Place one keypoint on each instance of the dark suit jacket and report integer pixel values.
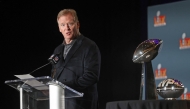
(80, 70)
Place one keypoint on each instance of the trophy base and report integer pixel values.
(170, 99)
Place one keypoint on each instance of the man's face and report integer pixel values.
(68, 26)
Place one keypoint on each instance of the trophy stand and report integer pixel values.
(148, 86)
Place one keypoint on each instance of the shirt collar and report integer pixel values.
(73, 41)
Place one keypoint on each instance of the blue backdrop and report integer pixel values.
(171, 23)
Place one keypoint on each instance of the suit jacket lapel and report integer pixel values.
(69, 55)
(61, 60)
(73, 49)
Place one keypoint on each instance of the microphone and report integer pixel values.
(53, 59)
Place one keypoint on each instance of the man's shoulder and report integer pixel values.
(88, 40)
(59, 48)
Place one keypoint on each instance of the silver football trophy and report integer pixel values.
(144, 53)
(170, 89)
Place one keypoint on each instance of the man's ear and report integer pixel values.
(78, 25)
(59, 29)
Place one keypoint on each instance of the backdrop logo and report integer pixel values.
(185, 95)
(184, 42)
(160, 73)
(159, 20)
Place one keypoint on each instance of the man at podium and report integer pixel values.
(79, 62)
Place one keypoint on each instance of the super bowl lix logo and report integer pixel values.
(160, 73)
(159, 20)
(184, 42)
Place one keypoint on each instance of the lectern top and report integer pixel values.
(38, 87)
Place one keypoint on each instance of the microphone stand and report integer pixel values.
(39, 68)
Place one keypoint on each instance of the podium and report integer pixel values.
(42, 89)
